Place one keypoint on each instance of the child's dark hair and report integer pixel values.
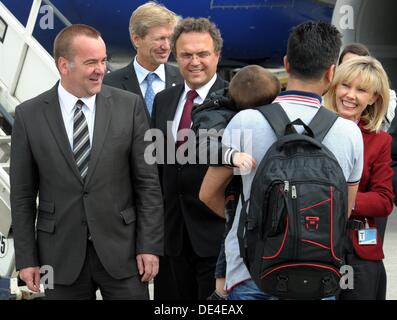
(253, 86)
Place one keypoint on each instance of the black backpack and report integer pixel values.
(292, 237)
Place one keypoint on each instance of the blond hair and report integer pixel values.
(373, 79)
(148, 15)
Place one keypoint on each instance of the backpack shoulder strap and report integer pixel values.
(276, 116)
(322, 123)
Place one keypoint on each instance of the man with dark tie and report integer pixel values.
(151, 27)
(80, 147)
(193, 233)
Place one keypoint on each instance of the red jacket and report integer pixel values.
(375, 192)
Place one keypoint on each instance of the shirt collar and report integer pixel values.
(69, 100)
(202, 91)
(141, 72)
(299, 97)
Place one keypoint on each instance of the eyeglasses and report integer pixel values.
(191, 56)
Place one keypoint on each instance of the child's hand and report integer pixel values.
(243, 161)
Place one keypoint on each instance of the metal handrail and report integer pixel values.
(67, 23)
(58, 13)
(7, 116)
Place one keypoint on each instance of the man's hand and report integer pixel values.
(148, 266)
(31, 276)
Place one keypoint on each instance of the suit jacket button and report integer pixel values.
(85, 194)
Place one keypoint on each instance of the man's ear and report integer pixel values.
(329, 74)
(63, 65)
(135, 40)
(286, 64)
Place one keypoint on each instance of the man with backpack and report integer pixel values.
(283, 214)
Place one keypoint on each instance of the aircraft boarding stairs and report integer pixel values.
(26, 70)
(6, 240)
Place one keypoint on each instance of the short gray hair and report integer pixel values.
(148, 15)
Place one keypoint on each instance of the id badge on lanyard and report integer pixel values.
(367, 236)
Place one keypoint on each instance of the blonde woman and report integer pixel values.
(360, 92)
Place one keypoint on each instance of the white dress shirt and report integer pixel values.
(67, 102)
(141, 73)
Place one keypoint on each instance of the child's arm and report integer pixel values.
(242, 160)
(220, 287)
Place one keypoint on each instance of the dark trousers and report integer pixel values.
(369, 280)
(164, 285)
(93, 276)
(193, 275)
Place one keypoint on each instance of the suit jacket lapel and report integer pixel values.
(171, 77)
(168, 113)
(54, 118)
(101, 126)
(130, 83)
(130, 80)
(218, 84)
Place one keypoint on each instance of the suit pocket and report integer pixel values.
(46, 206)
(128, 215)
(45, 225)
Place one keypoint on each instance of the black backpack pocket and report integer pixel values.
(300, 281)
(276, 227)
(317, 223)
(276, 219)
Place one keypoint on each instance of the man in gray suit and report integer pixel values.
(80, 146)
(151, 28)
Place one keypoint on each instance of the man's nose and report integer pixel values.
(101, 68)
(166, 44)
(195, 59)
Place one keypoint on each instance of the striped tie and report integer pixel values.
(81, 139)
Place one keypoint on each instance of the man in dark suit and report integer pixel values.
(193, 233)
(151, 27)
(80, 146)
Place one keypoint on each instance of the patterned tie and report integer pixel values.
(186, 119)
(149, 94)
(81, 139)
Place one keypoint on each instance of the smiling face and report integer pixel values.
(353, 98)
(155, 47)
(196, 57)
(83, 72)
